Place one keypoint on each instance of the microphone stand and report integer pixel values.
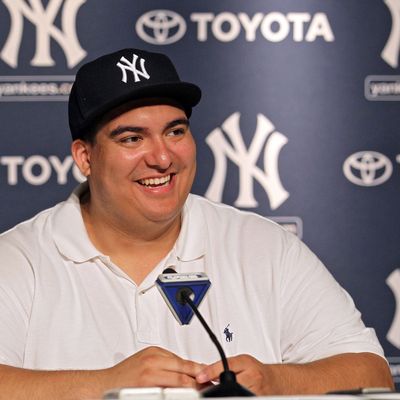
(228, 386)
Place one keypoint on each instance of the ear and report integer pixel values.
(81, 151)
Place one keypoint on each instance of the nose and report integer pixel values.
(158, 155)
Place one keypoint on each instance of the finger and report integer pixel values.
(162, 378)
(210, 373)
(191, 368)
(165, 360)
(252, 376)
(187, 367)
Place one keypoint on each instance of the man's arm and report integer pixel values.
(152, 366)
(339, 372)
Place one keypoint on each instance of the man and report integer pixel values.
(79, 313)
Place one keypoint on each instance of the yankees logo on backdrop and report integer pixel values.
(393, 281)
(246, 160)
(391, 51)
(43, 20)
(125, 65)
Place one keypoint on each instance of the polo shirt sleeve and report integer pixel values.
(16, 296)
(319, 318)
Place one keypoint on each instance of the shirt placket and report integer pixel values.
(147, 306)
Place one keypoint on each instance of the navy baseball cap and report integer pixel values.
(126, 75)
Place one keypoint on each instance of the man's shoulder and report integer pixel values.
(21, 247)
(222, 215)
(41, 223)
(28, 231)
(225, 209)
(242, 234)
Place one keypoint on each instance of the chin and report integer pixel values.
(164, 215)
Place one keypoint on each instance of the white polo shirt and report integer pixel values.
(64, 305)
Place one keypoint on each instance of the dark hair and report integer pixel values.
(89, 134)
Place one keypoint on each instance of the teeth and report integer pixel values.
(155, 181)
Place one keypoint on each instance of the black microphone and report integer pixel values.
(228, 386)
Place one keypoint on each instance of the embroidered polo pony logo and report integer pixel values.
(228, 334)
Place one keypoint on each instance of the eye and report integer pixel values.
(130, 139)
(177, 132)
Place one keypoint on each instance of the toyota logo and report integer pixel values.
(367, 168)
(160, 27)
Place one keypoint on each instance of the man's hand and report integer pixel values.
(250, 373)
(154, 366)
(151, 367)
(340, 372)
(157, 367)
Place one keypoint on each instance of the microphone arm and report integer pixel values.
(228, 386)
(185, 296)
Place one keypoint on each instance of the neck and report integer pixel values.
(137, 247)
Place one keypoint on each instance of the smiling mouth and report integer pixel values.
(156, 182)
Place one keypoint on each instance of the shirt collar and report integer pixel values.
(69, 230)
(190, 244)
(189, 249)
(73, 242)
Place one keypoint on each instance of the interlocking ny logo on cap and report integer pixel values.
(125, 65)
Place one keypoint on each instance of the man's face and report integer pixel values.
(142, 165)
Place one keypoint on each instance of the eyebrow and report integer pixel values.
(137, 129)
(175, 122)
(125, 128)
